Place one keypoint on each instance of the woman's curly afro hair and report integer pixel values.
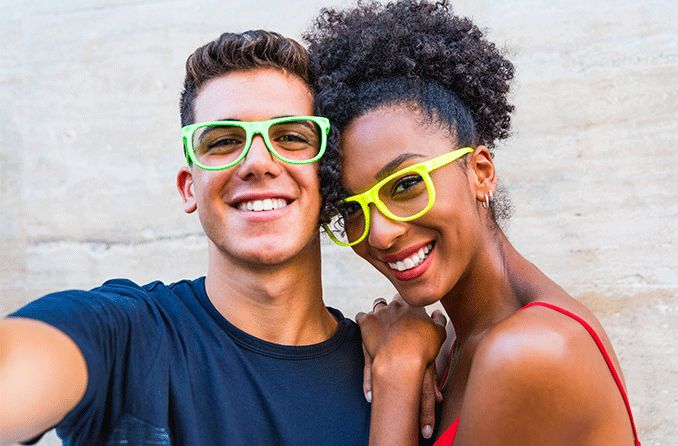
(407, 52)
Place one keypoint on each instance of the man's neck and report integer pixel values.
(277, 303)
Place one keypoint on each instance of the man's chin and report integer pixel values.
(270, 250)
(267, 258)
(270, 255)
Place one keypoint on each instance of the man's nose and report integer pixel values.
(259, 162)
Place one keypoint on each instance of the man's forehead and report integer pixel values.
(265, 93)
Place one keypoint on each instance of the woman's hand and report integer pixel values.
(401, 344)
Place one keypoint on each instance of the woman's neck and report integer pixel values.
(497, 283)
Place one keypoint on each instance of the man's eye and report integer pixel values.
(294, 135)
(292, 138)
(224, 144)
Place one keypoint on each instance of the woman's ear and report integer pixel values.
(186, 189)
(482, 176)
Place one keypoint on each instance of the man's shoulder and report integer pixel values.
(121, 290)
(115, 300)
(173, 300)
(122, 285)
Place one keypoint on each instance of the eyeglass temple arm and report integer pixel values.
(447, 158)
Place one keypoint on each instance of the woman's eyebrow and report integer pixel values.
(394, 164)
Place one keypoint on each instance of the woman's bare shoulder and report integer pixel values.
(536, 374)
(534, 345)
(539, 339)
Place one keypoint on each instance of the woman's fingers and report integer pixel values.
(439, 318)
(441, 323)
(429, 396)
(379, 302)
(367, 376)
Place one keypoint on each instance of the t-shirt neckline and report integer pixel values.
(271, 349)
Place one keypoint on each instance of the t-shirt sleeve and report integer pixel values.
(103, 323)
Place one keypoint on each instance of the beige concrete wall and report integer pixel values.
(90, 145)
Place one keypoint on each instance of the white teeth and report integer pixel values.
(268, 204)
(262, 205)
(413, 260)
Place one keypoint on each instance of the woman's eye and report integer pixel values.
(405, 184)
(350, 210)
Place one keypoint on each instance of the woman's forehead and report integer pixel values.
(385, 138)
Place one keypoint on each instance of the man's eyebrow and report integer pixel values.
(205, 131)
(394, 164)
(274, 117)
(309, 124)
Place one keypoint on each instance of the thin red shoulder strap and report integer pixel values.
(603, 351)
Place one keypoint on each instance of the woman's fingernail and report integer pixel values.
(368, 396)
(427, 431)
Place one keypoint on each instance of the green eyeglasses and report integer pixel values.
(219, 145)
(402, 196)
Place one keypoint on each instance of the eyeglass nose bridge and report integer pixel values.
(251, 131)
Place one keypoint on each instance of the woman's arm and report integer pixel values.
(403, 342)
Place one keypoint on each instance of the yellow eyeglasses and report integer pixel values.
(402, 196)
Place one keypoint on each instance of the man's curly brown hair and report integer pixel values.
(408, 53)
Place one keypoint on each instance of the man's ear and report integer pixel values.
(186, 189)
(483, 175)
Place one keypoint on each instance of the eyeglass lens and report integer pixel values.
(221, 144)
(404, 196)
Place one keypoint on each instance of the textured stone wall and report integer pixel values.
(90, 145)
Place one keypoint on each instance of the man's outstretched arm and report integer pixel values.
(43, 376)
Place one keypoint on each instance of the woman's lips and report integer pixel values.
(411, 266)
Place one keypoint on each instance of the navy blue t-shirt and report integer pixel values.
(165, 367)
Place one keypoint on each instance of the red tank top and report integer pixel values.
(448, 436)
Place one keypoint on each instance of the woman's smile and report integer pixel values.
(410, 263)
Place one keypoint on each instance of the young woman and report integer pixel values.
(420, 98)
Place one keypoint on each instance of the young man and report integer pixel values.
(248, 354)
